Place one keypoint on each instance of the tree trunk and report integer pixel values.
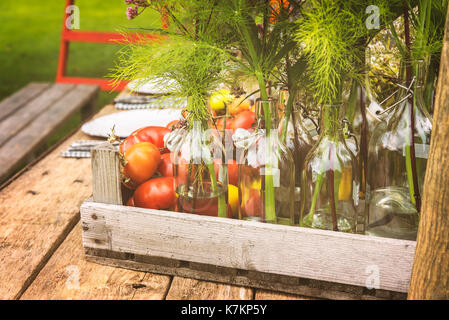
(430, 274)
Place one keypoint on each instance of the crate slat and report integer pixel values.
(250, 246)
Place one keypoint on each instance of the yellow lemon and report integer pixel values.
(219, 98)
(233, 199)
(345, 187)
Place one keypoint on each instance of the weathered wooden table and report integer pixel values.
(41, 253)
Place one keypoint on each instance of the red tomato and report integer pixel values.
(204, 207)
(172, 125)
(166, 165)
(182, 173)
(155, 135)
(239, 106)
(158, 193)
(244, 120)
(253, 207)
(142, 161)
(130, 202)
(220, 123)
(233, 170)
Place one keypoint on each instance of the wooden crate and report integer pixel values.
(310, 262)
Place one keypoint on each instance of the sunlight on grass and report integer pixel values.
(30, 33)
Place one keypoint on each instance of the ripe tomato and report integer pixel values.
(155, 135)
(244, 120)
(130, 202)
(220, 123)
(142, 161)
(166, 165)
(239, 106)
(182, 173)
(172, 125)
(233, 170)
(158, 193)
(253, 207)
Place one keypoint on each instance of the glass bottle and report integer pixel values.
(299, 141)
(200, 182)
(330, 181)
(266, 172)
(393, 201)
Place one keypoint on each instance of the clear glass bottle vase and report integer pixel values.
(331, 179)
(363, 113)
(266, 171)
(200, 182)
(396, 166)
(298, 139)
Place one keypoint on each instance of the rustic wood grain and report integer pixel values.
(30, 111)
(37, 211)
(22, 146)
(14, 102)
(190, 289)
(270, 295)
(274, 249)
(237, 277)
(67, 275)
(106, 182)
(430, 276)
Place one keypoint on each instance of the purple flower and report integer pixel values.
(131, 12)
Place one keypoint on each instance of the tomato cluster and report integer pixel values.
(148, 169)
(239, 115)
(147, 165)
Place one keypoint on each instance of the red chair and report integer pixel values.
(93, 37)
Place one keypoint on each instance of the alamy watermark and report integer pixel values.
(73, 20)
(373, 279)
(73, 280)
(373, 20)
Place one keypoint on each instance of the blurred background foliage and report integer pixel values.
(30, 33)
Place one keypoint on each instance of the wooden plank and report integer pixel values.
(106, 182)
(67, 275)
(21, 147)
(37, 211)
(14, 102)
(270, 295)
(237, 277)
(273, 249)
(30, 111)
(190, 289)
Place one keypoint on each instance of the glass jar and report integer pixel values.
(299, 141)
(266, 171)
(330, 181)
(363, 113)
(200, 182)
(396, 166)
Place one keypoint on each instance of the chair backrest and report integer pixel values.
(68, 35)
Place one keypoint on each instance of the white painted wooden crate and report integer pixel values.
(297, 260)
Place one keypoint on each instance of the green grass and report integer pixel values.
(30, 37)
(30, 34)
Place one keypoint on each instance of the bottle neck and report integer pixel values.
(269, 107)
(412, 71)
(330, 120)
